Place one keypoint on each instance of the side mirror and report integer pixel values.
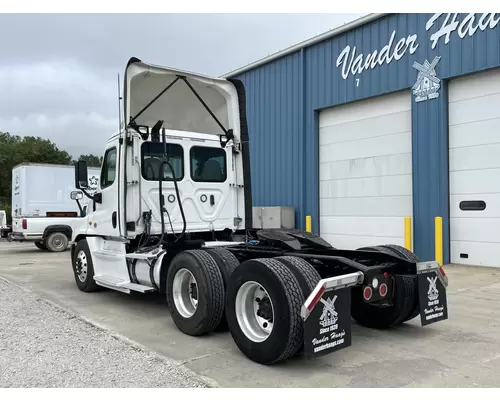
(81, 175)
(76, 195)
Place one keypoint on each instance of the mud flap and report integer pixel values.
(432, 293)
(327, 315)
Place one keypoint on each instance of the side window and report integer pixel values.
(108, 171)
(152, 157)
(208, 164)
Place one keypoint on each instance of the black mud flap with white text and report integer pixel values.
(432, 298)
(328, 326)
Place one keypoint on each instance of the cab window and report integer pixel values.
(108, 172)
(208, 164)
(152, 156)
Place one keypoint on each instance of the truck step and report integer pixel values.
(138, 288)
(121, 285)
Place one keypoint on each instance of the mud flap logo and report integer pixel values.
(329, 315)
(328, 327)
(432, 294)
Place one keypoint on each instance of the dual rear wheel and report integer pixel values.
(258, 301)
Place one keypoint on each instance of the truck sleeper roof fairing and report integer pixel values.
(182, 100)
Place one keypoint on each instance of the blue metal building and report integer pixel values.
(432, 62)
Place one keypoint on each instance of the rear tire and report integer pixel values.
(268, 287)
(83, 268)
(227, 263)
(404, 301)
(195, 292)
(41, 245)
(306, 276)
(408, 255)
(57, 242)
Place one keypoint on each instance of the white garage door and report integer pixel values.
(365, 171)
(474, 118)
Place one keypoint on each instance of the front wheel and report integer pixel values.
(83, 268)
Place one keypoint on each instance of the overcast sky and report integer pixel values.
(58, 75)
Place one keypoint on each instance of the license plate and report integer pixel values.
(432, 298)
(328, 327)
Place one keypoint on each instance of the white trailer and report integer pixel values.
(42, 209)
(176, 189)
(43, 190)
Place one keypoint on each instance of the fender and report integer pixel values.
(66, 229)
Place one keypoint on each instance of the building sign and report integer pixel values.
(353, 63)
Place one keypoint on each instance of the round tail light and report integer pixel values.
(367, 293)
(383, 290)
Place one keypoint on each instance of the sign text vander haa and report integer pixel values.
(352, 64)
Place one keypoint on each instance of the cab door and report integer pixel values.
(103, 218)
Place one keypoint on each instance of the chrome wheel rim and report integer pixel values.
(81, 266)
(185, 293)
(254, 311)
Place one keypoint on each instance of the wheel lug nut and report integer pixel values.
(257, 299)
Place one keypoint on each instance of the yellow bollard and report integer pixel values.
(308, 223)
(408, 233)
(438, 230)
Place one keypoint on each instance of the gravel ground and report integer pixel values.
(44, 346)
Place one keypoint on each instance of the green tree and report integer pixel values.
(15, 150)
(91, 159)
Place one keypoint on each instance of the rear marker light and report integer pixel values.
(316, 298)
(367, 293)
(383, 289)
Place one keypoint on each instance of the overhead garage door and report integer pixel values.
(474, 141)
(365, 171)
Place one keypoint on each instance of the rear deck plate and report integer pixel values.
(328, 326)
(432, 298)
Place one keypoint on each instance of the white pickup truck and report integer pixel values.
(48, 233)
(4, 228)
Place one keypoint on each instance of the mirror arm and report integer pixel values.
(96, 197)
(79, 207)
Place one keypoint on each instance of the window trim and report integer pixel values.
(165, 179)
(191, 164)
(105, 166)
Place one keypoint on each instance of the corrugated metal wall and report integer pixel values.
(285, 95)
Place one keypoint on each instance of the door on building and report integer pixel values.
(474, 149)
(365, 171)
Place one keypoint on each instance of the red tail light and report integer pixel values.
(25, 223)
(382, 289)
(367, 293)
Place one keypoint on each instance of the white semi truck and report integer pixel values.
(175, 194)
(42, 210)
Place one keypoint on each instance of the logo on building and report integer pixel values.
(329, 316)
(428, 84)
(433, 292)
